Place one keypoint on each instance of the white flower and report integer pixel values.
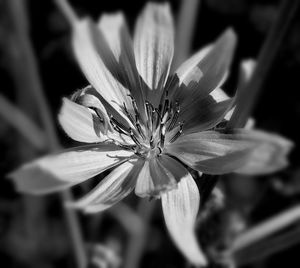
(148, 125)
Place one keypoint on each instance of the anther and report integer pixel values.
(176, 136)
(162, 135)
(134, 138)
(118, 124)
(134, 106)
(151, 142)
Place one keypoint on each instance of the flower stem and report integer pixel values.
(138, 241)
(266, 228)
(20, 21)
(67, 10)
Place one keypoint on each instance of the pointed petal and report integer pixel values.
(210, 72)
(213, 152)
(219, 95)
(204, 114)
(61, 170)
(112, 189)
(269, 157)
(154, 46)
(119, 44)
(90, 98)
(86, 42)
(80, 123)
(186, 70)
(180, 207)
(154, 179)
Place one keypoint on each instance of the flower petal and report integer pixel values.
(185, 72)
(154, 47)
(204, 114)
(154, 179)
(80, 123)
(86, 42)
(269, 157)
(213, 152)
(180, 207)
(119, 44)
(209, 73)
(112, 189)
(62, 170)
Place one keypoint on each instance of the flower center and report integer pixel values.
(149, 136)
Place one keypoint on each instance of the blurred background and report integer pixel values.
(35, 54)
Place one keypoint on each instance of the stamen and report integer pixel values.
(165, 118)
(98, 114)
(134, 106)
(121, 131)
(149, 109)
(162, 135)
(160, 152)
(118, 124)
(176, 136)
(166, 106)
(158, 119)
(134, 138)
(128, 147)
(129, 115)
(140, 131)
(159, 108)
(151, 142)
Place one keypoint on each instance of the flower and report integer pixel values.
(150, 126)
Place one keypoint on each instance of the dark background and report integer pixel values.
(251, 200)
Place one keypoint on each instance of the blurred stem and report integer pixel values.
(268, 247)
(67, 10)
(30, 68)
(138, 241)
(185, 28)
(127, 218)
(22, 123)
(249, 93)
(266, 228)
